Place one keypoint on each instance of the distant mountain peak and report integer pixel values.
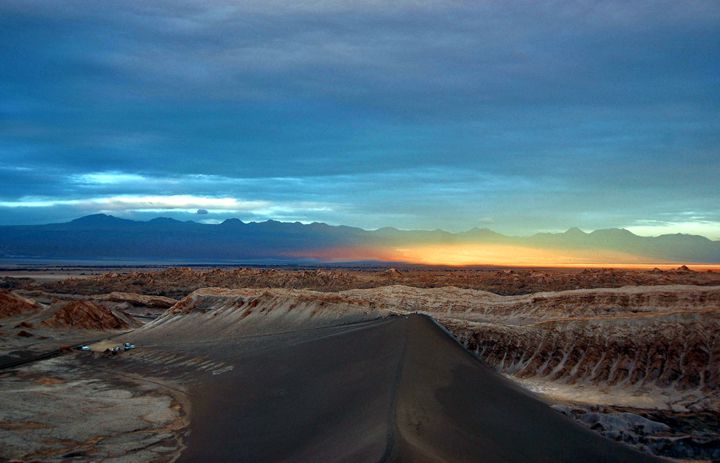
(97, 219)
(574, 231)
(232, 222)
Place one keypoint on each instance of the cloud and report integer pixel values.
(106, 178)
(412, 114)
(147, 203)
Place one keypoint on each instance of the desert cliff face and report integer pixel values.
(678, 351)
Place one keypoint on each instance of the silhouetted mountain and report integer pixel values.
(97, 221)
(103, 236)
(575, 232)
(676, 247)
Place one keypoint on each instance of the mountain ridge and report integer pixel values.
(107, 236)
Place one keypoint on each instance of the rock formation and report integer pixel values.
(12, 304)
(87, 315)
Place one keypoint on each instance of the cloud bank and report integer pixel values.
(531, 116)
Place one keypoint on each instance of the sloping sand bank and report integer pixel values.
(397, 389)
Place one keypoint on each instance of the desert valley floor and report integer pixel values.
(408, 364)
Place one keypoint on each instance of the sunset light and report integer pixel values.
(488, 254)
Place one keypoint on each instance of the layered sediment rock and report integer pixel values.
(89, 316)
(677, 350)
(138, 300)
(475, 305)
(12, 304)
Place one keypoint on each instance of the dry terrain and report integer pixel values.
(179, 282)
(349, 364)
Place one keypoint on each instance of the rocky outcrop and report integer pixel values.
(87, 315)
(138, 300)
(12, 304)
(113, 300)
(474, 305)
(679, 350)
(657, 432)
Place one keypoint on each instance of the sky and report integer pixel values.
(519, 116)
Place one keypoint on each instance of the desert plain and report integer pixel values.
(359, 364)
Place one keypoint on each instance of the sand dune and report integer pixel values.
(333, 382)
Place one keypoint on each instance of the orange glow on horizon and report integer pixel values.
(496, 255)
(514, 256)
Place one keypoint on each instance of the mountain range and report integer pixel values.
(103, 236)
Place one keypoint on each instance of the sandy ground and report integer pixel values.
(553, 391)
(65, 409)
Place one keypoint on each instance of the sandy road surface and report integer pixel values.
(396, 389)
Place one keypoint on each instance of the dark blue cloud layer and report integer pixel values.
(529, 116)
